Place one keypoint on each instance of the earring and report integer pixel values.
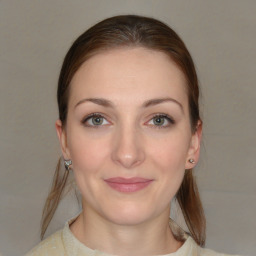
(191, 160)
(67, 164)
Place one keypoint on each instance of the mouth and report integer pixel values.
(128, 185)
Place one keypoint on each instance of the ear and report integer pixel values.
(62, 139)
(194, 149)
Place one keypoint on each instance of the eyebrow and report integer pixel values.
(154, 102)
(148, 103)
(98, 101)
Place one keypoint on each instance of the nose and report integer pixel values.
(128, 148)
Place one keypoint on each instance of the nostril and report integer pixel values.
(127, 149)
(128, 160)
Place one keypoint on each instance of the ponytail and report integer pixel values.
(191, 206)
(54, 197)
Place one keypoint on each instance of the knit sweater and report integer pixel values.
(64, 243)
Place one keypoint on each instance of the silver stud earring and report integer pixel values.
(67, 164)
(191, 160)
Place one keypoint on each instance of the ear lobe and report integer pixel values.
(62, 139)
(194, 150)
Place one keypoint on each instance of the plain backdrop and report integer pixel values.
(35, 36)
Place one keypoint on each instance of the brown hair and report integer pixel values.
(132, 31)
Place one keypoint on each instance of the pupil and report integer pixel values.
(97, 120)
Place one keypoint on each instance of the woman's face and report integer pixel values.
(128, 134)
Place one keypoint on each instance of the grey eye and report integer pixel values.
(159, 120)
(97, 120)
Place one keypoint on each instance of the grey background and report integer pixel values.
(35, 36)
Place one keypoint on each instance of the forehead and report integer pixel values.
(129, 73)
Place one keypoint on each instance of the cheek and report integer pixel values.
(171, 152)
(89, 156)
(87, 153)
(168, 159)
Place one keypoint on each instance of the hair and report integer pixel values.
(132, 31)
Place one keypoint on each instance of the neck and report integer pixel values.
(154, 237)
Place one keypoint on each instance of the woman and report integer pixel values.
(130, 130)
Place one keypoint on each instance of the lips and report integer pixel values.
(128, 185)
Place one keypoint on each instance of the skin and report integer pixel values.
(128, 143)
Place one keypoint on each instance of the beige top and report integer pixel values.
(64, 243)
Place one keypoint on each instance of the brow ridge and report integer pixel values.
(98, 101)
(107, 103)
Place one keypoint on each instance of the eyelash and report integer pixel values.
(169, 119)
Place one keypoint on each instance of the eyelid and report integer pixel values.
(170, 120)
(88, 117)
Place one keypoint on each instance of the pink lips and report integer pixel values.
(128, 185)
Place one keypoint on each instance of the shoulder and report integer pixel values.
(196, 250)
(190, 247)
(208, 252)
(52, 246)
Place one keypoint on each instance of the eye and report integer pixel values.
(95, 120)
(161, 121)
